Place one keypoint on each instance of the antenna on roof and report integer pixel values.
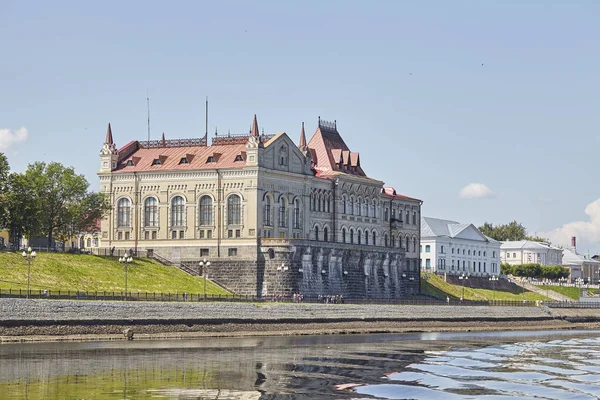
(206, 120)
(148, 103)
(216, 131)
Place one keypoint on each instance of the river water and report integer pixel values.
(486, 365)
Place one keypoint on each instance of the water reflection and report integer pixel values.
(443, 365)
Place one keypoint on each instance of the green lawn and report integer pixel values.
(571, 292)
(79, 272)
(435, 286)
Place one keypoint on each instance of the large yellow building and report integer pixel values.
(247, 197)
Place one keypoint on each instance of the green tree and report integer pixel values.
(20, 206)
(511, 231)
(64, 206)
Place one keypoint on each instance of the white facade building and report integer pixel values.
(580, 266)
(530, 252)
(454, 248)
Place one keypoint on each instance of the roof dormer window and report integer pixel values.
(130, 163)
(239, 158)
(211, 159)
(183, 160)
(156, 161)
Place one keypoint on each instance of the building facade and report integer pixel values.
(259, 205)
(530, 252)
(449, 247)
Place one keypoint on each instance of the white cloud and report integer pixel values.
(8, 137)
(475, 191)
(586, 231)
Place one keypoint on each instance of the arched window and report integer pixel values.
(358, 207)
(407, 217)
(314, 202)
(316, 232)
(318, 203)
(325, 234)
(124, 213)
(351, 235)
(407, 243)
(329, 205)
(89, 242)
(343, 235)
(427, 249)
(414, 244)
(344, 205)
(359, 237)
(385, 214)
(206, 211)
(366, 237)
(393, 242)
(393, 216)
(324, 203)
(296, 214)
(150, 212)
(234, 210)
(366, 209)
(414, 217)
(351, 206)
(282, 213)
(374, 239)
(267, 212)
(385, 240)
(177, 211)
(374, 210)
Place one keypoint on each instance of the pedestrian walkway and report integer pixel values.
(548, 293)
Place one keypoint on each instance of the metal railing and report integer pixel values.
(573, 304)
(199, 297)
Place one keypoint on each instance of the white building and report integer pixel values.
(455, 248)
(530, 252)
(580, 266)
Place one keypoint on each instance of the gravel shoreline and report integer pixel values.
(52, 320)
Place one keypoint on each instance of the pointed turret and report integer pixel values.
(302, 144)
(109, 138)
(163, 142)
(254, 130)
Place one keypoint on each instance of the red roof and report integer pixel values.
(174, 158)
(391, 192)
(330, 152)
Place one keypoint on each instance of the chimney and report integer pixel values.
(573, 242)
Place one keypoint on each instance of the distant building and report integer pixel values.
(530, 252)
(454, 248)
(579, 265)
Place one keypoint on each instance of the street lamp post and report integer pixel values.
(494, 279)
(126, 260)
(203, 264)
(463, 278)
(29, 255)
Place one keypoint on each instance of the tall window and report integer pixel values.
(427, 249)
(344, 205)
(296, 214)
(414, 244)
(374, 239)
(351, 235)
(385, 214)
(316, 232)
(351, 205)
(150, 212)
(414, 217)
(234, 210)
(267, 214)
(325, 234)
(407, 217)
(385, 240)
(343, 235)
(393, 243)
(206, 210)
(177, 210)
(366, 237)
(282, 213)
(318, 203)
(374, 210)
(407, 243)
(366, 207)
(124, 212)
(328, 204)
(359, 237)
(358, 207)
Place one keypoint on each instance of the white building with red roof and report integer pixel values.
(186, 200)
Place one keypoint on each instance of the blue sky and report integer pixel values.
(434, 95)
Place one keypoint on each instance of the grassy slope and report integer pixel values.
(436, 286)
(571, 292)
(54, 271)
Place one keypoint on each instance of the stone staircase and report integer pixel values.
(182, 266)
(548, 293)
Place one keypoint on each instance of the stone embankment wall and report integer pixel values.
(316, 268)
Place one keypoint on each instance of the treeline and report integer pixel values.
(534, 271)
(47, 200)
(512, 231)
